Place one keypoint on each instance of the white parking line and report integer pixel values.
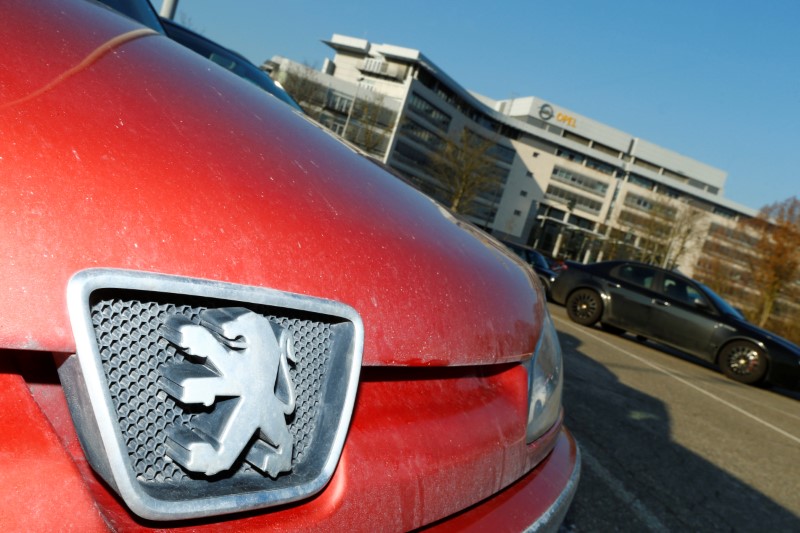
(588, 332)
(619, 490)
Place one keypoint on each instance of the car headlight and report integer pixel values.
(545, 382)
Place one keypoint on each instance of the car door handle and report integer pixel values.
(662, 303)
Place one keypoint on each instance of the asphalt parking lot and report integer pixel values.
(670, 444)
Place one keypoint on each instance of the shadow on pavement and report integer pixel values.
(794, 394)
(635, 477)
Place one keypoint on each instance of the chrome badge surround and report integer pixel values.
(210, 488)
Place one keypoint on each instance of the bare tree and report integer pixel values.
(667, 229)
(684, 234)
(775, 261)
(302, 85)
(465, 169)
(716, 276)
(370, 122)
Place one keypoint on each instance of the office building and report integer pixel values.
(557, 180)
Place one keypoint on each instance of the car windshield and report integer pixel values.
(721, 304)
(139, 11)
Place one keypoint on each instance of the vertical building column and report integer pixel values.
(557, 246)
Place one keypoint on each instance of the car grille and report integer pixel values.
(132, 390)
(132, 350)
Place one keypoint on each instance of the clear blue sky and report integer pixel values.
(718, 81)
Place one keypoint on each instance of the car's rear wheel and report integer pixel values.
(585, 307)
(743, 361)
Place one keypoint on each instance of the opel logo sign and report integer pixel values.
(546, 112)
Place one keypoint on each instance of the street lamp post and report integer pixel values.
(352, 106)
(168, 9)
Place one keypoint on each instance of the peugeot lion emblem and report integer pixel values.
(236, 365)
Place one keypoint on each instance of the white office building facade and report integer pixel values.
(566, 184)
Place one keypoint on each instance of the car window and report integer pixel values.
(678, 289)
(530, 256)
(536, 259)
(636, 274)
(222, 61)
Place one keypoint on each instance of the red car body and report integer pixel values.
(121, 150)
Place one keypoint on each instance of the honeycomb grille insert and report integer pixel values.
(132, 352)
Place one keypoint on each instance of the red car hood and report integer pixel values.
(193, 172)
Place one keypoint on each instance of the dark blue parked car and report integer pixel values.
(547, 275)
(229, 59)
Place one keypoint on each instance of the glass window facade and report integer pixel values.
(415, 131)
(429, 112)
(599, 166)
(580, 181)
(641, 181)
(580, 201)
(570, 155)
